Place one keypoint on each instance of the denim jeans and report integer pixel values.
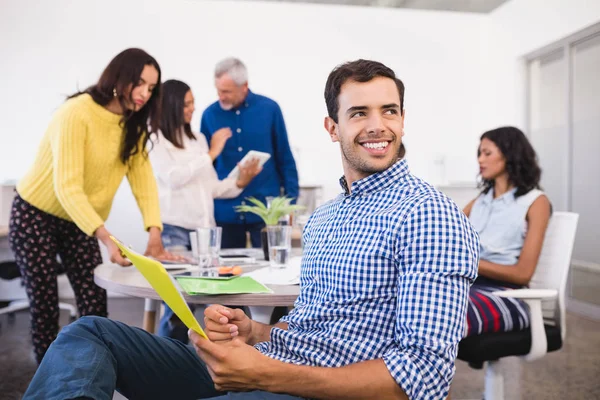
(169, 325)
(95, 356)
(175, 236)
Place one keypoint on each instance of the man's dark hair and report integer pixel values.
(358, 71)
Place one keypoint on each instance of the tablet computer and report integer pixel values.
(262, 159)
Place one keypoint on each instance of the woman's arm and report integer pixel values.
(520, 273)
(68, 151)
(230, 188)
(468, 207)
(143, 185)
(173, 170)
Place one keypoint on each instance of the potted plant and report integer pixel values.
(279, 207)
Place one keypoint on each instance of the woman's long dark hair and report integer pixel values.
(120, 76)
(171, 117)
(521, 161)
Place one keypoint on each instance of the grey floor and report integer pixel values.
(571, 373)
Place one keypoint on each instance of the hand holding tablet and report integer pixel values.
(262, 158)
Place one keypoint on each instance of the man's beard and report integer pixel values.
(226, 106)
(363, 166)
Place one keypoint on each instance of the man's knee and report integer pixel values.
(87, 325)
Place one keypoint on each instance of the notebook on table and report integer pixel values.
(194, 285)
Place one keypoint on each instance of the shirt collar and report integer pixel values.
(377, 181)
(506, 198)
(248, 101)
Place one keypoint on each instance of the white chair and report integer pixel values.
(546, 301)
(13, 293)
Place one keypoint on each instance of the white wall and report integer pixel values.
(461, 70)
(520, 27)
(49, 49)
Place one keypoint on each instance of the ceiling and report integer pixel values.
(474, 6)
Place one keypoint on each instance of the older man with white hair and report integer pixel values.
(256, 123)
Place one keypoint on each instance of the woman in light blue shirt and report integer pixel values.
(511, 215)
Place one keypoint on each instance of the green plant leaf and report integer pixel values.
(280, 206)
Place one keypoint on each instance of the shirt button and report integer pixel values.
(237, 112)
(347, 200)
(240, 149)
(238, 130)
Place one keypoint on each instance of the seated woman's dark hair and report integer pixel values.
(521, 160)
(122, 72)
(171, 117)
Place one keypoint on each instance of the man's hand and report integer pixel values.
(217, 142)
(247, 172)
(223, 324)
(233, 366)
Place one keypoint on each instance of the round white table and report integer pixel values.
(129, 281)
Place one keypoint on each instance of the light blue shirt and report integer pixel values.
(385, 275)
(501, 224)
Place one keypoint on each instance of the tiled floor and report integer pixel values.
(585, 283)
(571, 373)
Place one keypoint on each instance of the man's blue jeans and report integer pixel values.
(94, 356)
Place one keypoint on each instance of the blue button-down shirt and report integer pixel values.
(257, 124)
(502, 224)
(385, 275)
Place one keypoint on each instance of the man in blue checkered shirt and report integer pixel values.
(385, 279)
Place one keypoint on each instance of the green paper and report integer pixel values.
(238, 285)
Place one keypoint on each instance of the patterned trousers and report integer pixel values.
(37, 239)
(488, 313)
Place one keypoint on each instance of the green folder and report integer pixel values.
(236, 285)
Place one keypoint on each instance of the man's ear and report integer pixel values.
(332, 128)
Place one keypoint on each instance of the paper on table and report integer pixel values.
(164, 284)
(290, 275)
(178, 267)
(212, 286)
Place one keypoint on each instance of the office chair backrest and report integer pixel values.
(552, 270)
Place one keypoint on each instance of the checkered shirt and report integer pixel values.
(385, 275)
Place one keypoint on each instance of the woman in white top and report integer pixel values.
(187, 181)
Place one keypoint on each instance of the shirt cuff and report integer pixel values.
(89, 227)
(418, 377)
(152, 221)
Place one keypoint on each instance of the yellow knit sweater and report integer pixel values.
(78, 170)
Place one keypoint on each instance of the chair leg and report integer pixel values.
(13, 306)
(70, 308)
(494, 381)
(261, 313)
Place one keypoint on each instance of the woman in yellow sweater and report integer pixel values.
(94, 139)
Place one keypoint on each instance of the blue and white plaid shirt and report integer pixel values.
(386, 273)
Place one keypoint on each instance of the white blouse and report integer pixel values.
(187, 182)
